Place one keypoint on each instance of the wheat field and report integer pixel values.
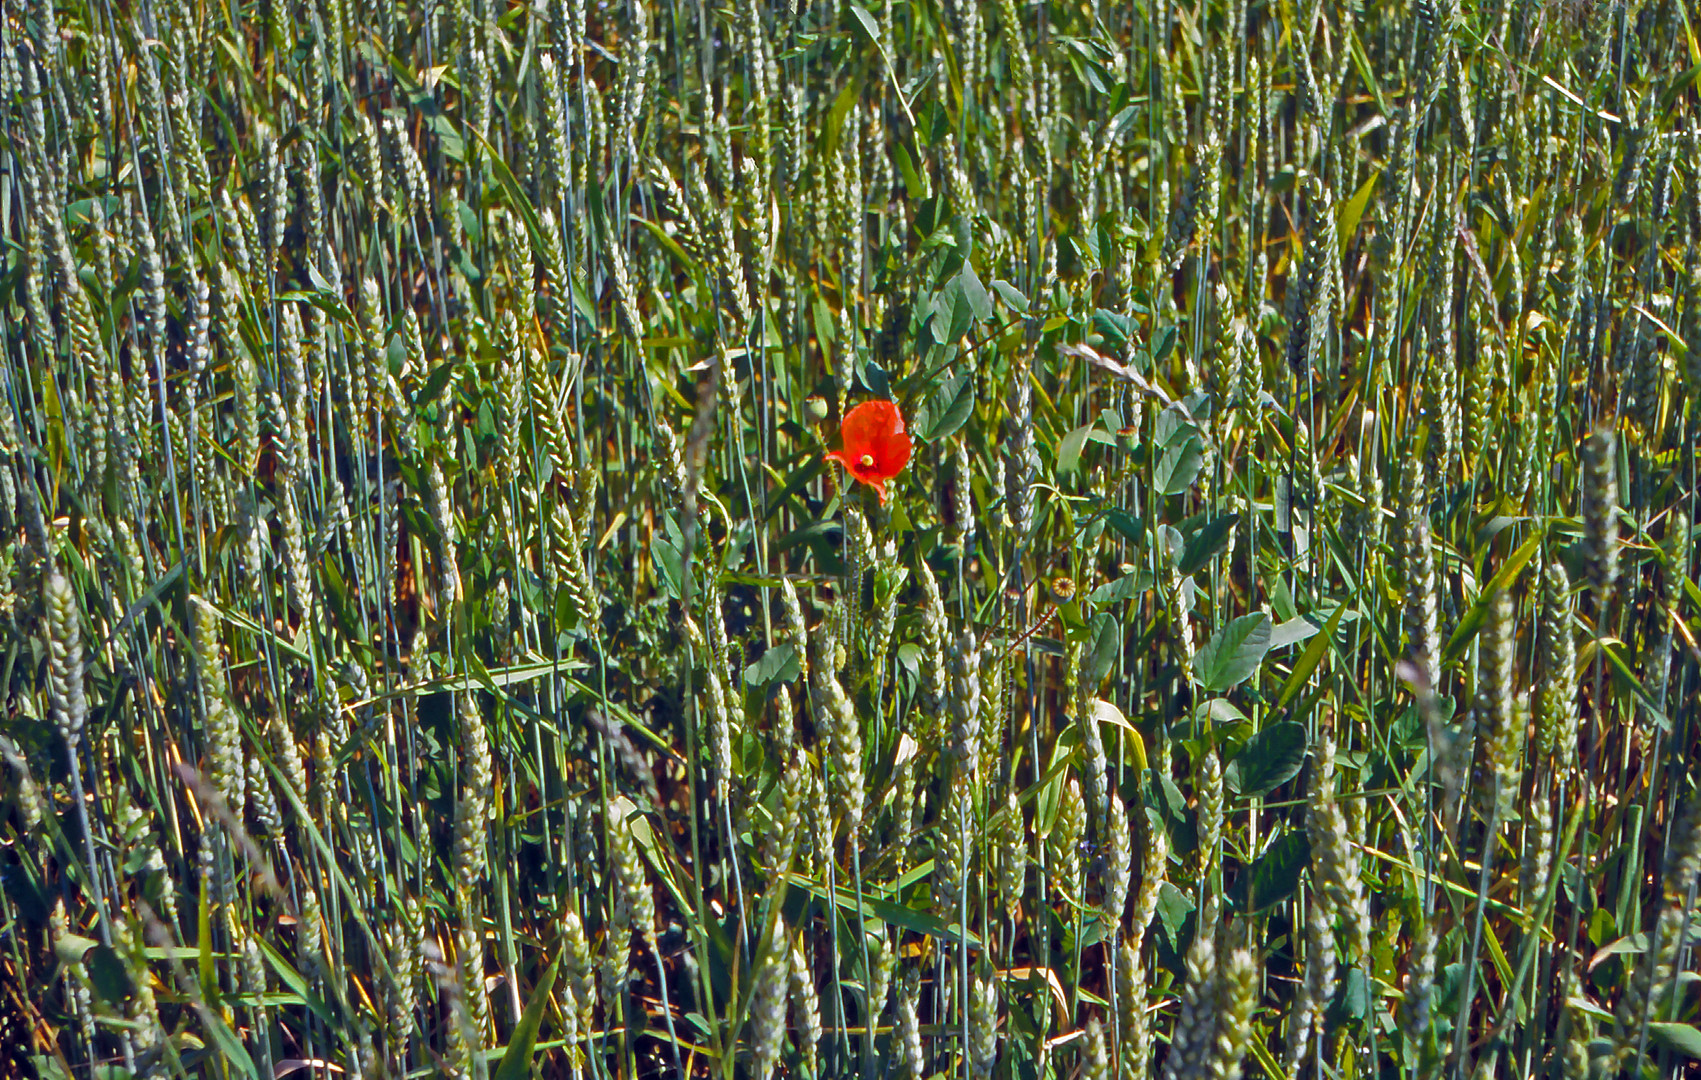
(884, 538)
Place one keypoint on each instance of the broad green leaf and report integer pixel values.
(1076, 255)
(1354, 999)
(1292, 632)
(1106, 643)
(951, 317)
(108, 974)
(1206, 541)
(81, 212)
(947, 410)
(434, 383)
(909, 659)
(1233, 653)
(470, 221)
(1114, 328)
(1179, 466)
(980, 304)
(1173, 906)
(1268, 760)
(1123, 588)
(906, 167)
(1181, 452)
(1217, 712)
(1162, 344)
(866, 21)
(1682, 1039)
(1122, 121)
(1274, 875)
(1069, 449)
(1012, 296)
(1635, 944)
(826, 330)
(48, 1067)
(1601, 925)
(1172, 544)
(1131, 527)
(874, 377)
(780, 662)
(964, 302)
(670, 566)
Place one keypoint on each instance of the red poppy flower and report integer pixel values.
(876, 447)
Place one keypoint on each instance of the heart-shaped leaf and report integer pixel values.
(1268, 760)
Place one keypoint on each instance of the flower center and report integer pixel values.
(866, 461)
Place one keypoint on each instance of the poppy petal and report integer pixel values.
(868, 423)
(892, 454)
